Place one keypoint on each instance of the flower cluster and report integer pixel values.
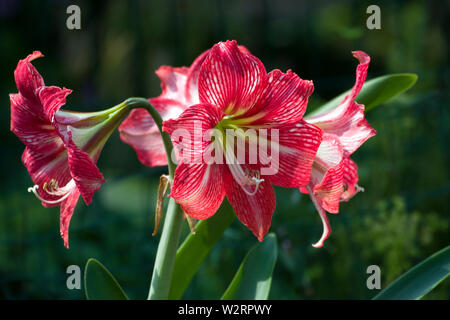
(237, 129)
(227, 88)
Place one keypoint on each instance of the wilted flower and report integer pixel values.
(62, 147)
(334, 175)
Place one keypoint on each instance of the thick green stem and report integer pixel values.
(165, 256)
(168, 244)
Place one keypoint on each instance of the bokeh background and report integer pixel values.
(402, 218)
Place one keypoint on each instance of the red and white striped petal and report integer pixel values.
(33, 128)
(328, 191)
(188, 129)
(28, 79)
(323, 216)
(347, 119)
(140, 131)
(327, 174)
(348, 123)
(199, 188)
(255, 211)
(297, 148)
(83, 170)
(67, 209)
(283, 101)
(52, 99)
(231, 79)
(350, 179)
(361, 74)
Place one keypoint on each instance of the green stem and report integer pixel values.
(143, 103)
(168, 244)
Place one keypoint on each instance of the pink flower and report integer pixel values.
(334, 175)
(62, 147)
(235, 93)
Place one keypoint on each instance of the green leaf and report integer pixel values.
(197, 246)
(99, 283)
(253, 279)
(419, 280)
(375, 92)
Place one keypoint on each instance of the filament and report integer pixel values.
(52, 189)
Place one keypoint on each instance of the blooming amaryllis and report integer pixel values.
(62, 147)
(334, 175)
(236, 93)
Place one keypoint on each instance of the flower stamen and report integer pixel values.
(252, 178)
(53, 189)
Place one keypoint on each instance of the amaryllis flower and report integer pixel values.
(235, 93)
(334, 175)
(62, 147)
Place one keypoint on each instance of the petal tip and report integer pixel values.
(363, 57)
(36, 54)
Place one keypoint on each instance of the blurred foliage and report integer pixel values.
(402, 218)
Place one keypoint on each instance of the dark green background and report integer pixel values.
(401, 218)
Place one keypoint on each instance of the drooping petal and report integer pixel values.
(350, 179)
(297, 148)
(361, 74)
(254, 211)
(323, 216)
(327, 174)
(67, 209)
(140, 131)
(347, 119)
(83, 170)
(329, 190)
(188, 129)
(28, 79)
(231, 79)
(283, 101)
(198, 188)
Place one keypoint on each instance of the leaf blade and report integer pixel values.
(419, 280)
(375, 91)
(254, 276)
(197, 246)
(100, 284)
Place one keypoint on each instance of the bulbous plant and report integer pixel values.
(225, 128)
